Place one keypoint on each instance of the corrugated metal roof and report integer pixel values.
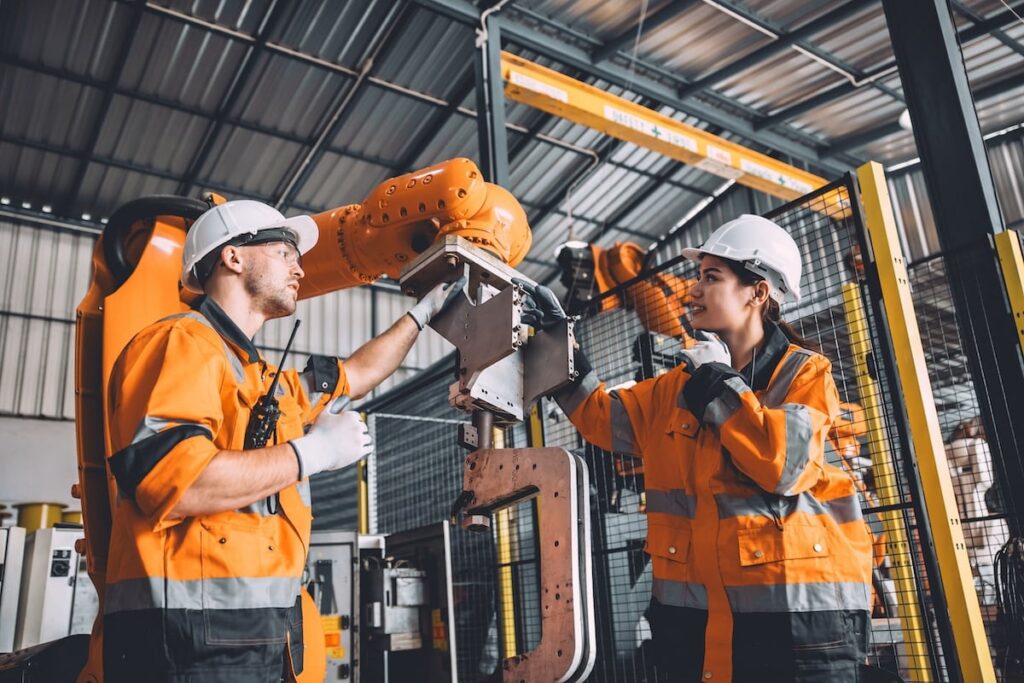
(234, 96)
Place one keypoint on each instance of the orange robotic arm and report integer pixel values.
(660, 300)
(405, 215)
(137, 265)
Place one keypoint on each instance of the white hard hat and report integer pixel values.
(763, 248)
(224, 222)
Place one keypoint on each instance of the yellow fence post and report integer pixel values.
(364, 497)
(898, 548)
(925, 435)
(1012, 264)
(504, 521)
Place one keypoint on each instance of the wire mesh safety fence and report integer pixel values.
(415, 475)
(982, 503)
(634, 333)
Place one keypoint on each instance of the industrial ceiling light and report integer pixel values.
(47, 208)
(86, 216)
(904, 120)
(571, 244)
(6, 201)
(26, 205)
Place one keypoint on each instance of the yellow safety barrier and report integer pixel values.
(925, 435)
(504, 522)
(1009, 251)
(898, 548)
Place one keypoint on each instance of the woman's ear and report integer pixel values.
(761, 292)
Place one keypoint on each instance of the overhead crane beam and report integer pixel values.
(579, 58)
(620, 118)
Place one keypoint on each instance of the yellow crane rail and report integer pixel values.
(560, 95)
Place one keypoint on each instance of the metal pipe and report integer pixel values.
(483, 421)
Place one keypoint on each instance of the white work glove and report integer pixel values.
(708, 349)
(334, 441)
(436, 300)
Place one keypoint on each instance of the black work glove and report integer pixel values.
(541, 309)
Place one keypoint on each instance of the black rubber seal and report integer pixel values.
(143, 208)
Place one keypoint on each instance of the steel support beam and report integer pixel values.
(490, 105)
(329, 127)
(979, 29)
(627, 37)
(975, 18)
(136, 10)
(851, 142)
(782, 42)
(271, 18)
(786, 40)
(436, 123)
(621, 75)
(963, 197)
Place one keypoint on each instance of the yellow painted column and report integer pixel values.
(1012, 265)
(504, 520)
(898, 548)
(925, 435)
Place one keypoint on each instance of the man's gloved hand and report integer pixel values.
(435, 301)
(334, 441)
(708, 349)
(541, 309)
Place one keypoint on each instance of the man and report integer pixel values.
(209, 540)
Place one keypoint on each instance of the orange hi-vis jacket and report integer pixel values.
(205, 598)
(744, 516)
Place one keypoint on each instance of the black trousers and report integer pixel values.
(802, 647)
(197, 646)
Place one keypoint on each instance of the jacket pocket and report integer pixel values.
(772, 544)
(669, 541)
(238, 596)
(683, 423)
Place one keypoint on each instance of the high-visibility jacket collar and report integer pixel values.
(767, 357)
(227, 328)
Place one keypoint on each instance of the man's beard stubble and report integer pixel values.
(271, 302)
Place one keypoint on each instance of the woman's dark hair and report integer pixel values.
(772, 312)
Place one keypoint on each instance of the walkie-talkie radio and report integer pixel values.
(266, 413)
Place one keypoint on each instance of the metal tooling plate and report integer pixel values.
(446, 260)
(501, 477)
(483, 333)
(548, 364)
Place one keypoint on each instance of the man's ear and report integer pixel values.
(233, 258)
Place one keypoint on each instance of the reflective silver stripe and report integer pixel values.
(570, 398)
(623, 440)
(236, 365)
(674, 502)
(800, 597)
(230, 593)
(151, 426)
(780, 386)
(725, 404)
(680, 593)
(304, 493)
(798, 446)
(842, 510)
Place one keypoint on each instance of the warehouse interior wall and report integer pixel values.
(37, 458)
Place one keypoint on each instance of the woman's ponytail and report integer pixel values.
(773, 313)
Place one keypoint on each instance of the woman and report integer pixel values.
(761, 558)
